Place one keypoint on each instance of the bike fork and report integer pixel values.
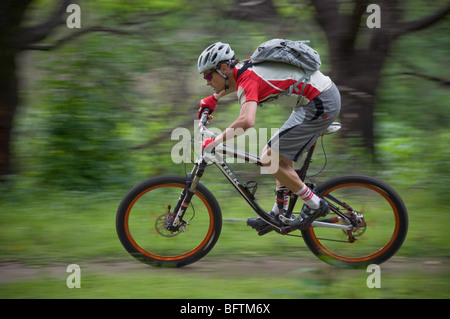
(192, 181)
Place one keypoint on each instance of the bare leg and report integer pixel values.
(286, 174)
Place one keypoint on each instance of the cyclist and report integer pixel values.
(316, 108)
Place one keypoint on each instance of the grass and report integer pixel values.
(155, 283)
(48, 227)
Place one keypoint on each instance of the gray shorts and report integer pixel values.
(306, 124)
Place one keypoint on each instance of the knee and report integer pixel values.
(266, 156)
(270, 158)
(285, 162)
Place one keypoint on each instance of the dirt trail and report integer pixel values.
(11, 271)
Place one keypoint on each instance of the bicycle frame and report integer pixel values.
(243, 190)
(199, 167)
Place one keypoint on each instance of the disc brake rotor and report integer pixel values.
(361, 225)
(164, 224)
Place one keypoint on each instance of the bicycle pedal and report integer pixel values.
(265, 230)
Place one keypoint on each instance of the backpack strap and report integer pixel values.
(247, 64)
(294, 86)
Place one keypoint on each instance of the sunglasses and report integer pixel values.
(208, 76)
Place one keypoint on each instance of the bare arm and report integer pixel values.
(245, 121)
(217, 96)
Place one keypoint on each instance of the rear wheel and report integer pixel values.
(145, 216)
(379, 222)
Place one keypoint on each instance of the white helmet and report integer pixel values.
(214, 54)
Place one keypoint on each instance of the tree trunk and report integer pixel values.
(358, 53)
(357, 57)
(358, 80)
(8, 105)
(11, 13)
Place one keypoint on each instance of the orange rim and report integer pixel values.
(368, 257)
(168, 258)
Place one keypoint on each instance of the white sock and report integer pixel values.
(310, 199)
(275, 208)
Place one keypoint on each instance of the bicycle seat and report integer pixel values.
(334, 127)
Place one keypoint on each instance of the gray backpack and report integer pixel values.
(296, 53)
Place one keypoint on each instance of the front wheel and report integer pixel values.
(145, 216)
(378, 219)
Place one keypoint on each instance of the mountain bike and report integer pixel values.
(174, 221)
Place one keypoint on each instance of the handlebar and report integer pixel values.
(204, 120)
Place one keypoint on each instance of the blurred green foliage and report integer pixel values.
(83, 144)
(100, 109)
(97, 115)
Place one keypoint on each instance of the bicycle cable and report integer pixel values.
(326, 160)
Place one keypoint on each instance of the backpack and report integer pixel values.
(296, 53)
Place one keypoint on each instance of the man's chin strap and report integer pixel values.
(226, 79)
(226, 84)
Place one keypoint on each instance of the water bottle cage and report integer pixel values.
(251, 186)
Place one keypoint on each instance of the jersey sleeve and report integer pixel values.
(247, 91)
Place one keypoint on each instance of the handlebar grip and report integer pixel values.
(205, 116)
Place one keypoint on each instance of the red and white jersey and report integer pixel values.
(265, 81)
